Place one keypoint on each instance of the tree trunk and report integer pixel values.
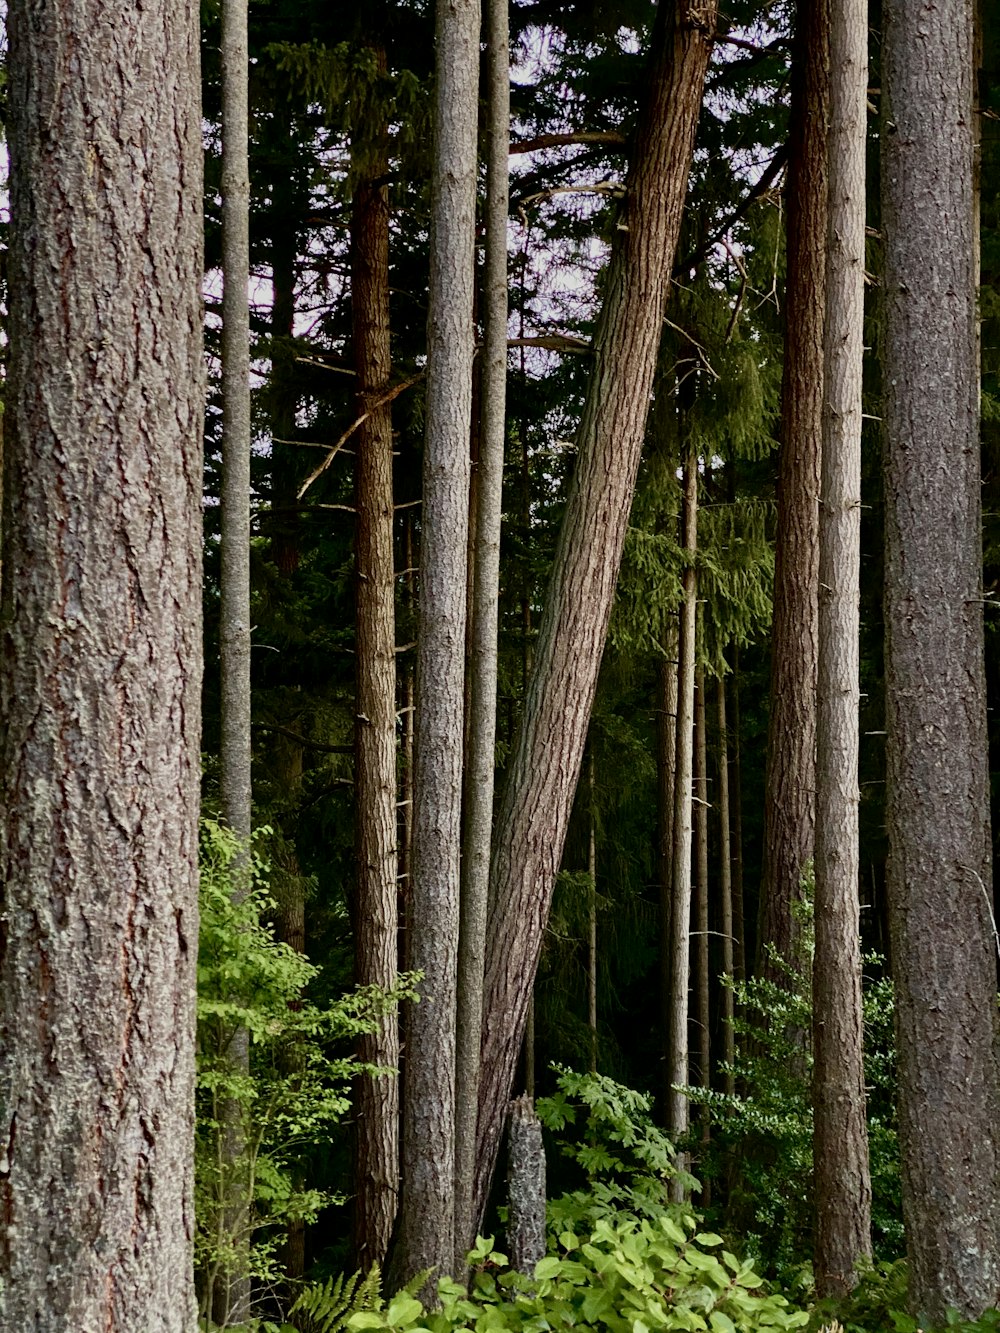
(666, 762)
(680, 906)
(701, 986)
(840, 1136)
(592, 918)
(790, 782)
(427, 1238)
(545, 765)
(725, 894)
(525, 1188)
(939, 867)
(376, 1175)
(481, 762)
(101, 669)
(230, 1300)
(736, 774)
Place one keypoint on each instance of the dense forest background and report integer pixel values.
(689, 894)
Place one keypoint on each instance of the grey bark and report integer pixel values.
(427, 1236)
(680, 906)
(234, 635)
(840, 1136)
(375, 912)
(101, 669)
(230, 1298)
(525, 1187)
(545, 763)
(485, 604)
(790, 783)
(938, 803)
(736, 786)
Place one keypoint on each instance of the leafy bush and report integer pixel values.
(628, 1276)
(623, 1160)
(256, 1118)
(761, 1146)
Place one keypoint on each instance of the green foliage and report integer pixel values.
(625, 1275)
(328, 1306)
(762, 1141)
(259, 1114)
(625, 1161)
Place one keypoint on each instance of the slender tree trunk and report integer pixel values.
(481, 761)
(725, 893)
(592, 918)
(680, 907)
(545, 766)
(230, 1300)
(100, 672)
(736, 792)
(840, 1136)
(666, 763)
(376, 1176)
(790, 783)
(938, 803)
(701, 986)
(427, 1238)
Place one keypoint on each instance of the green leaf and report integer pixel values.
(366, 1319)
(547, 1267)
(403, 1309)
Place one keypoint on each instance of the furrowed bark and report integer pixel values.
(100, 672)
(545, 765)
(939, 874)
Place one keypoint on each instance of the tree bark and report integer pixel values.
(736, 774)
(230, 1299)
(938, 805)
(485, 603)
(427, 1236)
(790, 781)
(666, 763)
(101, 669)
(376, 1176)
(701, 986)
(526, 1188)
(680, 906)
(592, 918)
(840, 1135)
(725, 894)
(545, 765)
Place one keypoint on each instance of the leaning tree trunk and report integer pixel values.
(427, 1228)
(376, 1174)
(939, 876)
(790, 784)
(840, 1135)
(100, 672)
(545, 765)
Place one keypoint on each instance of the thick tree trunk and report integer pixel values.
(790, 783)
(545, 765)
(680, 906)
(376, 1175)
(840, 1135)
(938, 802)
(427, 1236)
(485, 613)
(101, 669)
